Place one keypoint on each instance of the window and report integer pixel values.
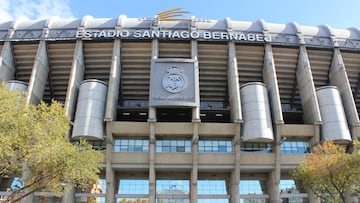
(131, 145)
(131, 186)
(290, 193)
(215, 146)
(173, 145)
(172, 191)
(212, 187)
(252, 147)
(251, 187)
(294, 147)
(212, 191)
(172, 187)
(132, 190)
(253, 191)
(288, 186)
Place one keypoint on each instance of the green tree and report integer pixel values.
(329, 171)
(33, 141)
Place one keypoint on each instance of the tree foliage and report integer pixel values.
(33, 137)
(329, 171)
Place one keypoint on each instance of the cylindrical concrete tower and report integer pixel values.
(334, 125)
(257, 126)
(16, 85)
(90, 110)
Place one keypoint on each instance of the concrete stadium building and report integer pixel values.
(190, 110)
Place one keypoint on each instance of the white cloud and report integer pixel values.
(34, 9)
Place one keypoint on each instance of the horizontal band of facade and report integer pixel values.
(89, 28)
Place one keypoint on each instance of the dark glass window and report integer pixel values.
(131, 145)
(215, 146)
(254, 147)
(173, 145)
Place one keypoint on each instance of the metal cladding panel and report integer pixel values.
(24, 57)
(257, 126)
(90, 110)
(334, 125)
(16, 85)
(352, 64)
(213, 60)
(286, 62)
(135, 70)
(7, 67)
(60, 61)
(250, 63)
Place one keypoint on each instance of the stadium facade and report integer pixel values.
(190, 110)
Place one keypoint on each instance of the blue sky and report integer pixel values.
(335, 13)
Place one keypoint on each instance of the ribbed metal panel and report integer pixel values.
(16, 85)
(97, 57)
(213, 60)
(285, 64)
(334, 125)
(60, 57)
(320, 62)
(7, 66)
(135, 70)
(352, 65)
(90, 110)
(255, 107)
(250, 63)
(24, 55)
(174, 49)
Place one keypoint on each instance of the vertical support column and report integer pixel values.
(273, 185)
(235, 115)
(114, 83)
(195, 123)
(7, 65)
(275, 175)
(39, 75)
(194, 54)
(152, 136)
(235, 174)
(233, 85)
(36, 89)
(152, 172)
(316, 139)
(110, 174)
(195, 163)
(76, 76)
(306, 86)
(270, 79)
(110, 116)
(338, 77)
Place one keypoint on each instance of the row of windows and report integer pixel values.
(225, 146)
(137, 186)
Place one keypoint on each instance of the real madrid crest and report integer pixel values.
(173, 81)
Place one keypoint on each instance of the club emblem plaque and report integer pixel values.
(174, 82)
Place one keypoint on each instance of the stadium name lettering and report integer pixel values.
(168, 34)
